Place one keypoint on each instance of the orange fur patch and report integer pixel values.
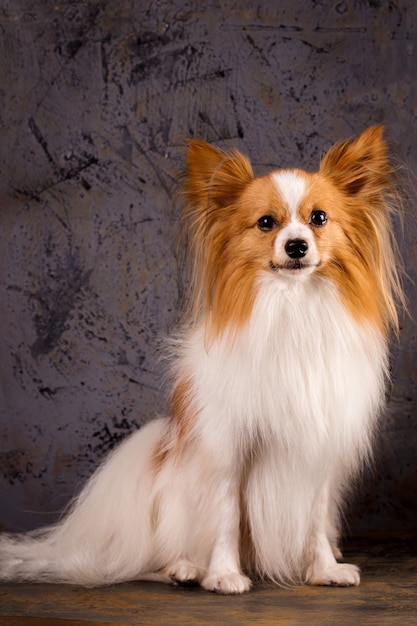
(365, 260)
(182, 418)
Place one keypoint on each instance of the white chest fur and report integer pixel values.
(302, 371)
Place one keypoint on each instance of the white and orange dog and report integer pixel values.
(277, 385)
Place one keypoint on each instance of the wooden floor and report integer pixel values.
(387, 595)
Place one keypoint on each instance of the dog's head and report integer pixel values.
(333, 223)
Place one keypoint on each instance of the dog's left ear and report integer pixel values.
(214, 177)
(360, 166)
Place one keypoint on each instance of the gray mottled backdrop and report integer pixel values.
(96, 100)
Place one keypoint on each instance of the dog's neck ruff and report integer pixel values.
(301, 371)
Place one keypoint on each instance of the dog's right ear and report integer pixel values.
(213, 176)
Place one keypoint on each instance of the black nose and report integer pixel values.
(296, 248)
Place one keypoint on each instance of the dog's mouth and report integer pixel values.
(296, 265)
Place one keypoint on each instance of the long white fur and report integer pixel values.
(287, 407)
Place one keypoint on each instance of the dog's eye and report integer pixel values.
(266, 223)
(318, 218)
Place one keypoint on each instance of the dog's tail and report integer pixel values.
(106, 535)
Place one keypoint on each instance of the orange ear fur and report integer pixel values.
(361, 169)
(360, 166)
(214, 176)
(214, 179)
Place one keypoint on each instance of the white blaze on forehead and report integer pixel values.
(292, 189)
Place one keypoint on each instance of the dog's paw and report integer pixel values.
(184, 573)
(339, 575)
(230, 583)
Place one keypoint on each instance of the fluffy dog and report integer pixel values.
(278, 381)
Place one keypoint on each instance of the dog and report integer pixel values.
(277, 384)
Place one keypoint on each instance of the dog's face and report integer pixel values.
(289, 224)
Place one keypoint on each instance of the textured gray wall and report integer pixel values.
(97, 98)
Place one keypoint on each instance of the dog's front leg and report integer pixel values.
(323, 568)
(224, 574)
